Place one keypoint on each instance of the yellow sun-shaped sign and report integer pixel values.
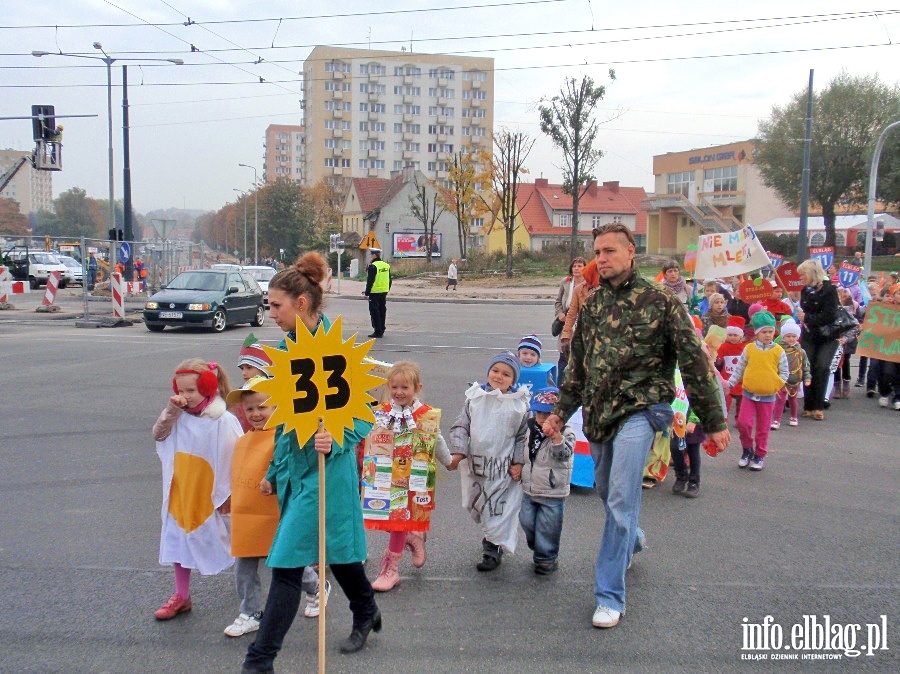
(319, 376)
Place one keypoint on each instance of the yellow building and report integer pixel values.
(284, 153)
(712, 189)
(370, 112)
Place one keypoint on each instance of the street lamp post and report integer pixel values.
(255, 214)
(244, 199)
(108, 60)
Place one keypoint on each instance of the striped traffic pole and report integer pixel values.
(118, 298)
(5, 281)
(52, 287)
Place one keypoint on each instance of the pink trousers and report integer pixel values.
(761, 413)
(779, 405)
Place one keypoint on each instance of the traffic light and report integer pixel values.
(43, 122)
(116, 234)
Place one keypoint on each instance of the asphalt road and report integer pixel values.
(815, 533)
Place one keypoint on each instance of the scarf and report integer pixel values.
(677, 287)
(395, 417)
(196, 411)
(535, 438)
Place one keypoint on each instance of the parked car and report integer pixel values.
(262, 275)
(206, 298)
(35, 266)
(75, 272)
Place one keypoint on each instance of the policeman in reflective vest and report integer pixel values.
(378, 283)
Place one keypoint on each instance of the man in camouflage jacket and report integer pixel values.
(630, 335)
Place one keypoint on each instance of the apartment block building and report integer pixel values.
(284, 153)
(32, 189)
(370, 112)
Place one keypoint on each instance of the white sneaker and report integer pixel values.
(311, 610)
(776, 425)
(897, 404)
(883, 401)
(605, 617)
(243, 624)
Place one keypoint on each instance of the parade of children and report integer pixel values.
(251, 498)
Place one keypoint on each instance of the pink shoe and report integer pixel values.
(793, 421)
(416, 544)
(174, 605)
(389, 577)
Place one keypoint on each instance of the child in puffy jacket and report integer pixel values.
(546, 478)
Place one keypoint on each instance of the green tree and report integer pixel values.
(848, 115)
(568, 118)
(889, 168)
(11, 220)
(286, 219)
(511, 149)
(43, 222)
(78, 215)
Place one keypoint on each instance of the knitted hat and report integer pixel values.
(235, 396)
(762, 319)
(531, 342)
(545, 399)
(790, 327)
(756, 306)
(507, 358)
(735, 326)
(252, 354)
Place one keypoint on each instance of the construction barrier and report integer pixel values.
(52, 288)
(5, 283)
(118, 296)
(134, 287)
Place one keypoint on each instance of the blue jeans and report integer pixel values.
(542, 520)
(619, 465)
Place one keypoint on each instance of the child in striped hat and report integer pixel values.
(252, 359)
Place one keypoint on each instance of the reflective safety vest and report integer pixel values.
(382, 282)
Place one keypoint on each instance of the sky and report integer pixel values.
(688, 74)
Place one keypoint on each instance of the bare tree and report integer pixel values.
(569, 121)
(426, 208)
(511, 149)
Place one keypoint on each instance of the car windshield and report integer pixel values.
(260, 274)
(69, 261)
(194, 280)
(44, 258)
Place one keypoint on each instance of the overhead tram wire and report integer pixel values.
(792, 20)
(582, 64)
(402, 55)
(343, 15)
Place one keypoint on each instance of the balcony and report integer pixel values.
(442, 120)
(373, 154)
(407, 117)
(337, 133)
(407, 154)
(407, 136)
(337, 95)
(442, 101)
(372, 173)
(476, 103)
(407, 79)
(407, 99)
(443, 82)
(337, 114)
(475, 121)
(442, 137)
(337, 76)
(336, 171)
(476, 84)
(337, 152)
(373, 116)
(373, 77)
(373, 96)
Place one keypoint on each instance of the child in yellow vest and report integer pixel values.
(763, 370)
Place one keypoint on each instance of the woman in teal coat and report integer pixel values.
(296, 292)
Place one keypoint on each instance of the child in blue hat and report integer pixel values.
(546, 478)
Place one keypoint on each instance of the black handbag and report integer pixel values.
(557, 327)
(842, 323)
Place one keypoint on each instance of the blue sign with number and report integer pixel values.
(124, 251)
(824, 254)
(848, 274)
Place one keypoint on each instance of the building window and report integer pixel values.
(724, 179)
(476, 94)
(476, 223)
(565, 220)
(680, 183)
(345, 163)
(345, 125)
(330, 162)
(475, 75)
(596, 221)
(331, 143)
(363, 126)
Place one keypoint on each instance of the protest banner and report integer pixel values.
(755, 290)
(880, 336)
(729, 254)
(790, 278)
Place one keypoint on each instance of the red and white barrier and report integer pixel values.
(134, 287)
(5, 283)
(52, 288)
(118, 296)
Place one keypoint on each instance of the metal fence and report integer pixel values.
(163, 260)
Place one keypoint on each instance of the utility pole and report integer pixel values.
(802, 236)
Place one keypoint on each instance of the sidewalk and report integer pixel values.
(70, 300)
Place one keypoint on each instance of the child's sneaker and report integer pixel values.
(693, 490)
(776, 425)
(243, 624)
(545, 568)
(744, 461)
(757, 463)
(679, 486)
(174, 605)
(311, 610)
(883, 401)
(793, 421)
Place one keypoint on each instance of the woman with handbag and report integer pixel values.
(819, 338)
(561, 306)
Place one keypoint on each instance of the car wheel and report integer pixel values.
(219, 321)
(34, 283)
(155, 328)
(63, 284)
(260, 317)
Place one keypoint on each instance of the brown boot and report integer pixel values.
(416, 544)
(389, 576)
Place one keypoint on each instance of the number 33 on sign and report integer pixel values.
(319, 375)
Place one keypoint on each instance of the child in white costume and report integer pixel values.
(491, 433)
(195, 438)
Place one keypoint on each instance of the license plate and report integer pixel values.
(170, 314)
